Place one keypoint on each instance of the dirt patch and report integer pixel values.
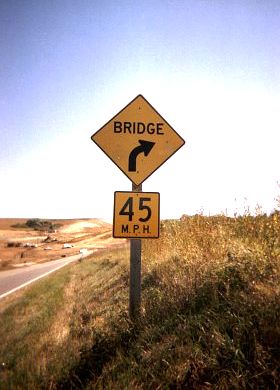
(22, 246)
(79, 227)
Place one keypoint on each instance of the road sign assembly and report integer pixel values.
(138, 140)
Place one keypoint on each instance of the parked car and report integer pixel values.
(65, 246)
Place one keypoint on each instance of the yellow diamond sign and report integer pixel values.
(138, 140)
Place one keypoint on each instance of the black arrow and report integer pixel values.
(144, 147)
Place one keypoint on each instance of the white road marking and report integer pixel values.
(73, 258)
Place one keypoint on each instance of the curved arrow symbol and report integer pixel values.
(144, 147)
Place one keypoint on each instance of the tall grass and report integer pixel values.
(215, 293)
(210, 314)
(45, 327)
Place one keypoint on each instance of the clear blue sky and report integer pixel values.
(210, 68)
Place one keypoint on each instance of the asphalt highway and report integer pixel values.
(13, 280)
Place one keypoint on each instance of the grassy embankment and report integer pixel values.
(211, 315)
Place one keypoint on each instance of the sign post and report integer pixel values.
(135, 271)
(136, 216)
(138, 140)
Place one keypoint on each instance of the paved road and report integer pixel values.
(12, 280)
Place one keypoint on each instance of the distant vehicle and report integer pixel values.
(83, 250)
(48, 248)
(30, 245)
(65, 246)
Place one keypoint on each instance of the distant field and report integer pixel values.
(6, 223)
(21, 245)
(210, 315)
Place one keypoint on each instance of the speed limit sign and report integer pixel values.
(136, 215)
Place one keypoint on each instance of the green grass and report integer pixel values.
(210, 316)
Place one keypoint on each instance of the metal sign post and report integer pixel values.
(136, 216)
(135, 271)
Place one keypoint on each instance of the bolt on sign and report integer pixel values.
(136, 215)
(138, 140)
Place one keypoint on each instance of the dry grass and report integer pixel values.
(210, 315)
(45, 327)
